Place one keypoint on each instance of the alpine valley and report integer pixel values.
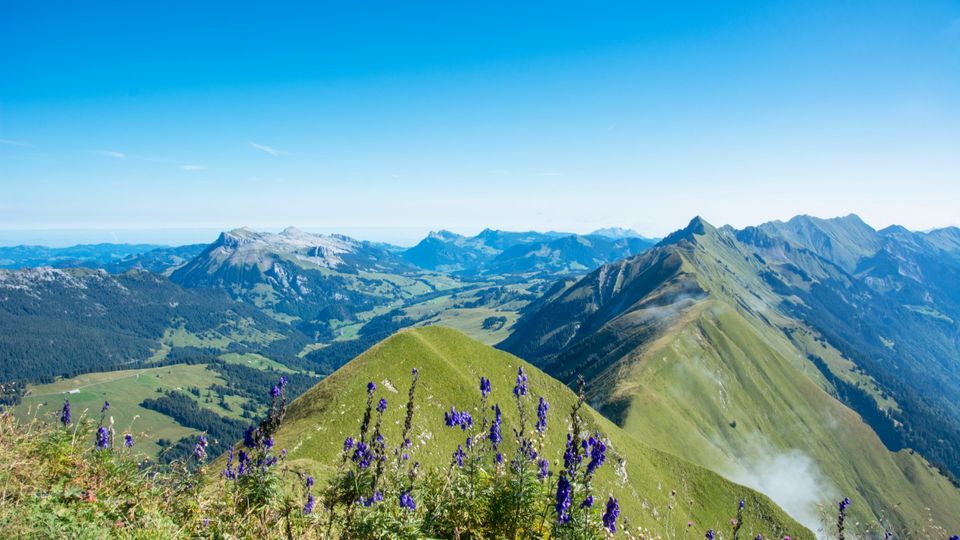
(788, 364)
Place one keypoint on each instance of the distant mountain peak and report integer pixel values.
(616, 232)
(444, 234)
(697, 227)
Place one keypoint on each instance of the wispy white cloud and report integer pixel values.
(11, 142)
(193, 167)
(113, 154)
(268, 149)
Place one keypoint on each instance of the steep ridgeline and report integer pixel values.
(728, 349)
(657, 490)
(299, 277)
(514, 253)
(61, 322)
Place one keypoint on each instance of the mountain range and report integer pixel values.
(807, 360)
(756, 350)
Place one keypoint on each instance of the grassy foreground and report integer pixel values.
(294, 478)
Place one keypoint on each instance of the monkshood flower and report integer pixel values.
(564, 490)
(611, 514)
(128, 440)
(362, 455)
(588, 502)
(521, 388)
(308, 506)
(458, 418)
(498, 458)
(200, 450)
(65, 413)
(228, 470)
(106, 407)
(347, 444)
(377, 497)
(275, 391)
(710, 535)
(496, 437)
(598, 453)
(407, 502)
(458, 455)
(542, 409)
(381, 405)
(103, 438)
(571, 457)
(955, 537)
(844, 504)
(484, 386)
(371, 387)
(544, 471)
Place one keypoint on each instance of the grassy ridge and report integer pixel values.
(660, 492)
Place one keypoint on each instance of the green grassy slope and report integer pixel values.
(686, 349)
(450, 365)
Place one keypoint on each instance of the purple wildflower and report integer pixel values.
(458, 455)
(484, 386)
(275, 392)
(588, 502)
(128, 440)
(710, 535)
(309, 482)
(498, 458)
(283, 381)
(598, 453)
(362, 456)
(521, 388)
(347, 444)
(105, 408)
(200, 450)
(544, 468)
(542, 409)
(269, 442)
(496, 437)
(103, 438)
(564, 490)
(308, 506)
(371, 387)
(407, 502)
(610, 516)
(382, 405)
(458, 418)
(65, 413)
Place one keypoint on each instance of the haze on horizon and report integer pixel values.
(418, 117)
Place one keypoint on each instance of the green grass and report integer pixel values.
(125, 390)
(450, 365)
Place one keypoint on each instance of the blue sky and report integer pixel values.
(389, 119)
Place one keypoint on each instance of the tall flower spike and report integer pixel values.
(103, 438)
(371, 387)
(65, 413)
(381, 405)
(106, 407)
(128, 440)
(562, 506)
(521, 388)
(200, 450)
(496, 436)
(542, 409)
(611, 514)
(484, 386)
